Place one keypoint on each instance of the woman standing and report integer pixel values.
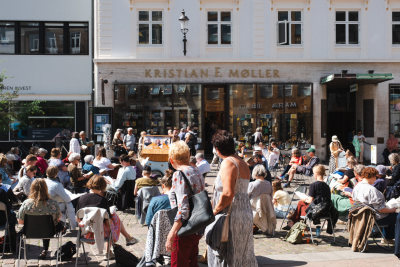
(231, 189)
(118, 144)
(184, 249)
(190, 143)
(74, 144)
(336, 147)
(140, 146)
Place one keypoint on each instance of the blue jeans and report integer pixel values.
(280, 213)
(389, 232)
(287, 168)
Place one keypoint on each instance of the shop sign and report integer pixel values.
(353, 88)
(248, 106)
(205, 73)
(20, 88)
(287, 105)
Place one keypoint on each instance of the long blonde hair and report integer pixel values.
(39, 192)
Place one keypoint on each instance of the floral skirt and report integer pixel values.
(115, 228)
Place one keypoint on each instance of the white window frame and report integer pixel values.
(347, 23)
(289, 22)
(219, 23)
(394, 23)
(150, 23)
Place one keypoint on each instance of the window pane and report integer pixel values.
(225, 16)
(283, 15)
(340, 15)
(212, 16)
(341, 33)
(54, 41)
(288, 90)
(396, 16)
(304, 90)
(143, 15)
(29, 23)
(396, 34)
(353, 15)
(30, 40)
(296, 16)
(78, 24)
(143, 33)
(394, 104)
(225, 34)
(78, 41)
(295, 34)
(266, 91)
(54, 24)
(156, 34)
(7, 23)
(7, 38)
(156, 15)
(353, 33)
(212, 34)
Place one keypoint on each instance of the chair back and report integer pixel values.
(3, 207)
(81, 213)
(39, 226)
(302, 189)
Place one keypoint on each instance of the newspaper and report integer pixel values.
(301, 195)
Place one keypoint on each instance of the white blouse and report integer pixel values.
(74, 146)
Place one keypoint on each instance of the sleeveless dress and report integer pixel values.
(240, 243)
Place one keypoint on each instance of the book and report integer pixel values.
(301, 195)
(348, 189)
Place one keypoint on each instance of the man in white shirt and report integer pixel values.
(126, 172)
(202, 164)
(129, 140)
(361, 139)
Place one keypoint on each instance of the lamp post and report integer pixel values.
(184, 20)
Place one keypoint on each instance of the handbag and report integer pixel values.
(201, 212)
(123, 257)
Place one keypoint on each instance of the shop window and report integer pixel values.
(304, 90)
(290, 28)
(266, 91)
(57, 116)
(396, 28)
(347, 27)
(394, 105)
(78, 39)
(7, 37)
(54, 33)
(29, 38)
(288, 90)
(150, 27)
(219, 28)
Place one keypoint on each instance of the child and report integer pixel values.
(280, 198)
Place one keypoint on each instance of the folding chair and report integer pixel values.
(301, 189)
(373, 237)
(80, 240)
(39, 227)
(5, 228)
(325, 219)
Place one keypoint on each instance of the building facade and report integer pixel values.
(302, 70)
(46, 48)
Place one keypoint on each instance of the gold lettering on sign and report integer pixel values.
(193, 74)
(179, 73)
(252, 74)
(185, 73)
(148, 73)
(217, 71)
(157, 74)
(165, 73)
(276, 73)
(268, 74)
(233, 73)
(259, 74)
(245, 73)
(171, 74)
(202, 72)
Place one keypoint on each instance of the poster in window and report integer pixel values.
(168, 89)
(195, 90)
(155, 90)
(131, 91)
(157, 142)
(247, 116)
(181, 88)
(213, 94)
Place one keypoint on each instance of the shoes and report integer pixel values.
(112, 256)
(286, 185)
(389, 241)
(131, 241)
(287, 228)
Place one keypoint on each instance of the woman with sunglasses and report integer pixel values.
(24, 185)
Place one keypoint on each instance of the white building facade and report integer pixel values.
(301, 70)
(46, 46)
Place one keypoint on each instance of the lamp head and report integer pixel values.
(184, 20)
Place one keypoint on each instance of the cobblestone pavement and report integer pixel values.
(269, 250)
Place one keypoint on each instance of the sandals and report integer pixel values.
(43, 255)
(131, 241)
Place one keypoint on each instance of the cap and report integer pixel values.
(311, 150)
(381, 169)
(258, 149)
(147, 168)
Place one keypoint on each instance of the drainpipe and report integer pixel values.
(103, 100)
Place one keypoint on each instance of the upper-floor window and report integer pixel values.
(44, 38)
(347, 27)
(219, 27)
(396, 28)
(290, 27)
(150, 27)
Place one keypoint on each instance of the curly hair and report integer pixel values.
(39, 191)
(179, 152)
(394, 158)
(97, 182)
(296, 152)
(167, 179)
(223, 141)
(369, 173)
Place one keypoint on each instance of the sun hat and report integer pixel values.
(335, 139)
(381, 169)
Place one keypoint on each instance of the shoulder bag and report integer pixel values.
(201, 212)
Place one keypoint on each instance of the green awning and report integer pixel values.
(345, 80)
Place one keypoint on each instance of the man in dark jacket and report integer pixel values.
(258, 160)
(303, 169)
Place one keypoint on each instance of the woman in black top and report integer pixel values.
(97, 185)
(190, 143)
(394, 159)
(317, 189)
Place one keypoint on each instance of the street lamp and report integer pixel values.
(184, 20)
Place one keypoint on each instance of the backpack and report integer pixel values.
(68, 250)
(194, 138)
(296, 233)
(123, 257)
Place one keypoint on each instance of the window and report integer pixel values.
(288, 90)
(290, 27)
(266, 91)
(44, 38)
(7, 37)
(219, 28)
(396, 28)
(394, 104)
(347, 27)
(150, 22)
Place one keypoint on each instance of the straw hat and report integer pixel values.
(335, 139)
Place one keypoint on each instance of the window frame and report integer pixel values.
(392, 24)
(347, 23)
(288, 28)
(14, 27)
(150, 23)
(42, 36)
(219, 22)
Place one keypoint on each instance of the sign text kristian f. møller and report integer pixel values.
(205, 73)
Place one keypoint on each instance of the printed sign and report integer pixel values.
(157, 142)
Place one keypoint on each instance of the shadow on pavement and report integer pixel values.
(264, 261)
